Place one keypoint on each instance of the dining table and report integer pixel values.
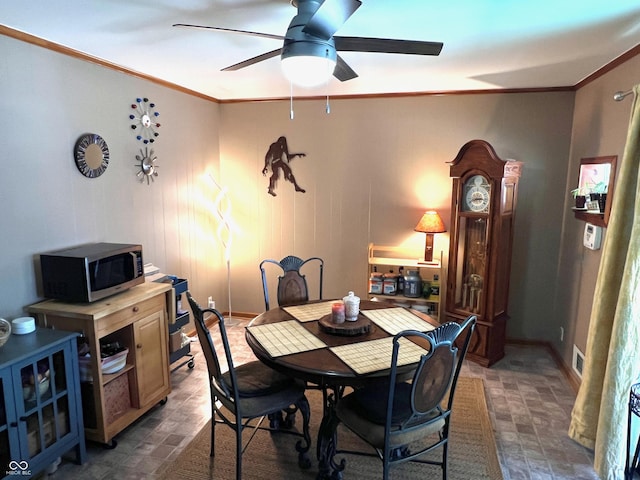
(302, 341)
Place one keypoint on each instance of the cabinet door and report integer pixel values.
(152, 364)
(7, 419)
(46, 409)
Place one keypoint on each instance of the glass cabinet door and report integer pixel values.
(471, 265)
(45, 402)
(5, 457)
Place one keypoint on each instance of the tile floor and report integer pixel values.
(528, 398)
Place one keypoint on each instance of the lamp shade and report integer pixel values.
(430, 223)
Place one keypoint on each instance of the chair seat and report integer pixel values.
(256, 379)
(364, 411)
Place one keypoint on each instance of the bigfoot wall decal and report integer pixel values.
(278, 158)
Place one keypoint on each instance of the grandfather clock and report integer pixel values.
(483, 205)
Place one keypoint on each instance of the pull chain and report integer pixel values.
(291, 100)
(327, 107)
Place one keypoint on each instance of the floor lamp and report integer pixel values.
(222, 205)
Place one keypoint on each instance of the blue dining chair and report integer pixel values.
(292, 285)
(406, 420)
(249, 391)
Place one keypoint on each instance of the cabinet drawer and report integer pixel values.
(130, 314)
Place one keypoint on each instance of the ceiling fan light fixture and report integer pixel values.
(307, 70)
(307, 61)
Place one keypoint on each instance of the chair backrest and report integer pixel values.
(435, 378)
(221, 387)
(292, 285)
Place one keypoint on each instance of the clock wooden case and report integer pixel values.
(483, 205)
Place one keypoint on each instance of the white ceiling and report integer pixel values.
(488, 44)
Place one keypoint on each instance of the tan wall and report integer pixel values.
(599, 128)
(373, 166)
(48, 100)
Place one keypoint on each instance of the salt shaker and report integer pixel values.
(351, 307)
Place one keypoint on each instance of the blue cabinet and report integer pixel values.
(40, 406)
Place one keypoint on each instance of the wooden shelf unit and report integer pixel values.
(137, 318)
(382, 258)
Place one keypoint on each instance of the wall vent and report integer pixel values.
(578, 361)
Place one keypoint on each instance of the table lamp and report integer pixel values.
(430, 223)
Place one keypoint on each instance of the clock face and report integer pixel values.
(148, 167)
(92, 155)
(477, 194)
(144, 120)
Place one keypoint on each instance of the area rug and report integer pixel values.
(472, 449)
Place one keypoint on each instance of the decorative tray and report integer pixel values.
(348, 329)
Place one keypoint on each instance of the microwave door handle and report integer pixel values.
(134, 259)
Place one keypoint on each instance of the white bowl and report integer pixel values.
(43, 386)
(5, 331)
(115, 362)
(23, 325)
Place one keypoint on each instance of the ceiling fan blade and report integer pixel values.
(343, 71)
(329, 17)
(231, 30)
(254, 60)
(387, 45)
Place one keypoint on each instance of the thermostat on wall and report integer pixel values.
(592, 236)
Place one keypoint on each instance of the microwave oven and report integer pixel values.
(90, 272)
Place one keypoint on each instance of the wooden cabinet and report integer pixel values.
(389, 260)
(150, 358)
(40, 411)
(483, 210)
(136, 319)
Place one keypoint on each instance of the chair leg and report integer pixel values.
(275, 420)
(290, 418)
(386, 465)
(213, 434)
(238, 426)
(303, 458)
(213, 428)
(445, 457)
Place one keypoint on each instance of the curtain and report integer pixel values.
(612, 357)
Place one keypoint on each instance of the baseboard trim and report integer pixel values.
(211, 320)
(566, 370)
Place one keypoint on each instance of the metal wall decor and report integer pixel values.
(278, 158)
(144, 120)
(147, 165)
(91, 154)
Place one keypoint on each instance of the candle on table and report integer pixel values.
(337, 312)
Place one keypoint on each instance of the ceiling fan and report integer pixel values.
(310, 38)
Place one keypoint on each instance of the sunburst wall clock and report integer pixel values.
(144, 120)
(147, 165)
(91, 154)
